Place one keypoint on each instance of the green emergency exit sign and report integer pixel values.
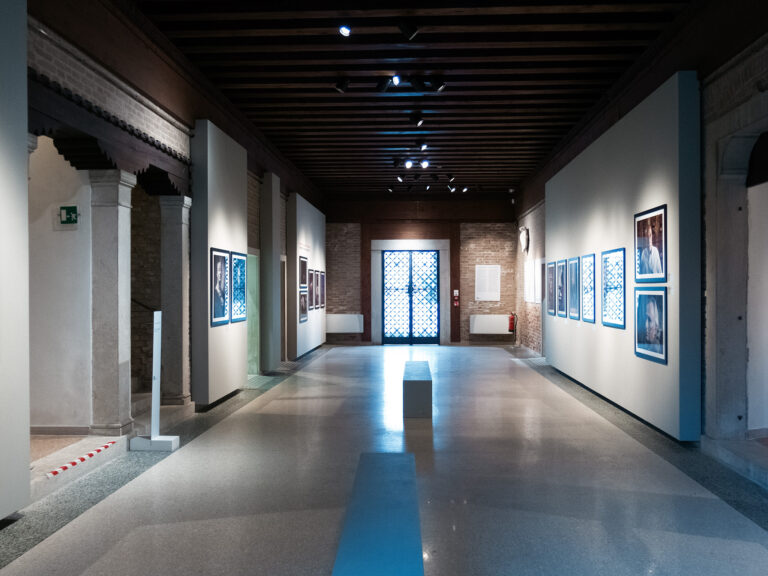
(68, 214)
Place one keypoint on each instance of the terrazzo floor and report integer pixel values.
(519, 472)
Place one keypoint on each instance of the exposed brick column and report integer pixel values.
(111, 300)
(174, 274)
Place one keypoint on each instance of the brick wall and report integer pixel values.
(254, 191)
(529, 313)
(283, 225)
(487, 244)
(342, 261)
(145, 282)
(52, 56)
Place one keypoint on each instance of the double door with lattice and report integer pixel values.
(411, 297)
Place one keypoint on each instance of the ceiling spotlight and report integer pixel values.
(409, 30)
(390, 190)
(408, 164)
(417, 119)
(400, 178)
(396, 80)
(425, 164)
(383, 84)
(342, 85)
(422, 145)
(428, 186)
(440, 86)
(451, 188)
(345, 31)
(451, 177)
(466, 188)
(511, 190)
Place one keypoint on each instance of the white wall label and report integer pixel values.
(488, 282)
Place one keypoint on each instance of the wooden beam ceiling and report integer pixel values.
(516, 76)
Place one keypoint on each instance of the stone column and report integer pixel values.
(111, 300)
(269, 228)
(174, 263)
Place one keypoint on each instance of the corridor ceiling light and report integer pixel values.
(400, 178)
(342, 85)
(345, 31)
(396, 80)
(409, 164)
(417, 119)
(409, 30)
(451, 177)
(425, 163)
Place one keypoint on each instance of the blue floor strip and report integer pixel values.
(382, 534)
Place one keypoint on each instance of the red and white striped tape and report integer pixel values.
(79, 460)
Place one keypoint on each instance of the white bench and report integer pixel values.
(489, 324)
(417, 390)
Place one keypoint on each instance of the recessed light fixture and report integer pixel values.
(400, 178)
(417, 119)
(342, 85)
(428, 185)
(451, 177)
(465, 189)
(396, 80)
(425, 163)
(408, 164)
(345, 31)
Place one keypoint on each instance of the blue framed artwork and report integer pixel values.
(239, 311)
(562, 289)
(651, 323)
(574, 309)
(651, 245)
(219, 287)
(613, 303)
(588, 288)
(551, 288)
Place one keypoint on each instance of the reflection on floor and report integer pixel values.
(515, 475)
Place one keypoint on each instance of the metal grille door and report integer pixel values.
(411, 297)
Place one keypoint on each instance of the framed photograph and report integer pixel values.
(239, 296)
(219, 287)
(303, 273)
(588, 288)
(612, 303)
(322, 289)
(303, 306)
(651, 245)
(317, 289)
(311, 290)
(562, 289)
(651, 323)
(574, 292)
(551, 288)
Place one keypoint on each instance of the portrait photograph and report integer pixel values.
(322, 289)
(239, 299)
(303, 307)
(588, 288)
(561, 289)
(219, 287)
(551, 288)
(612, 303)
(311, 290)
(574, 292)
(651, 245)
(317, 289)
(303, 269)
(651, 324)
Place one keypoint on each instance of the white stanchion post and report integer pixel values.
(154, 441)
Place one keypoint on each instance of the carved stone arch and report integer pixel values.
(157, 182)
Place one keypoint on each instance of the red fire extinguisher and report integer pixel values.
(512, 322)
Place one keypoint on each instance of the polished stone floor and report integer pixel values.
(514, 476)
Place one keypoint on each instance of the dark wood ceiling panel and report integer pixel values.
(497, 84)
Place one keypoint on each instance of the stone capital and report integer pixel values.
(111, 188)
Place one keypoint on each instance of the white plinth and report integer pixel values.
(156, 444)
(417, 390)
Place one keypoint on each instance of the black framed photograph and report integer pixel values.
(322, 289)
(219, 287)
(562, 289)
(651, 245)
(303, 306)
(651, 323)
(303, 268)
(311, 289)
(574, 309)
(551, 288)
(317, 289)
(239, 309)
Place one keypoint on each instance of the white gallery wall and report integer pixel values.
(648, 159)
(757, 308)
(306, 238)
(59, 294)
(218, 220)
(14, 253)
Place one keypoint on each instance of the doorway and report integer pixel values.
(411, 297)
